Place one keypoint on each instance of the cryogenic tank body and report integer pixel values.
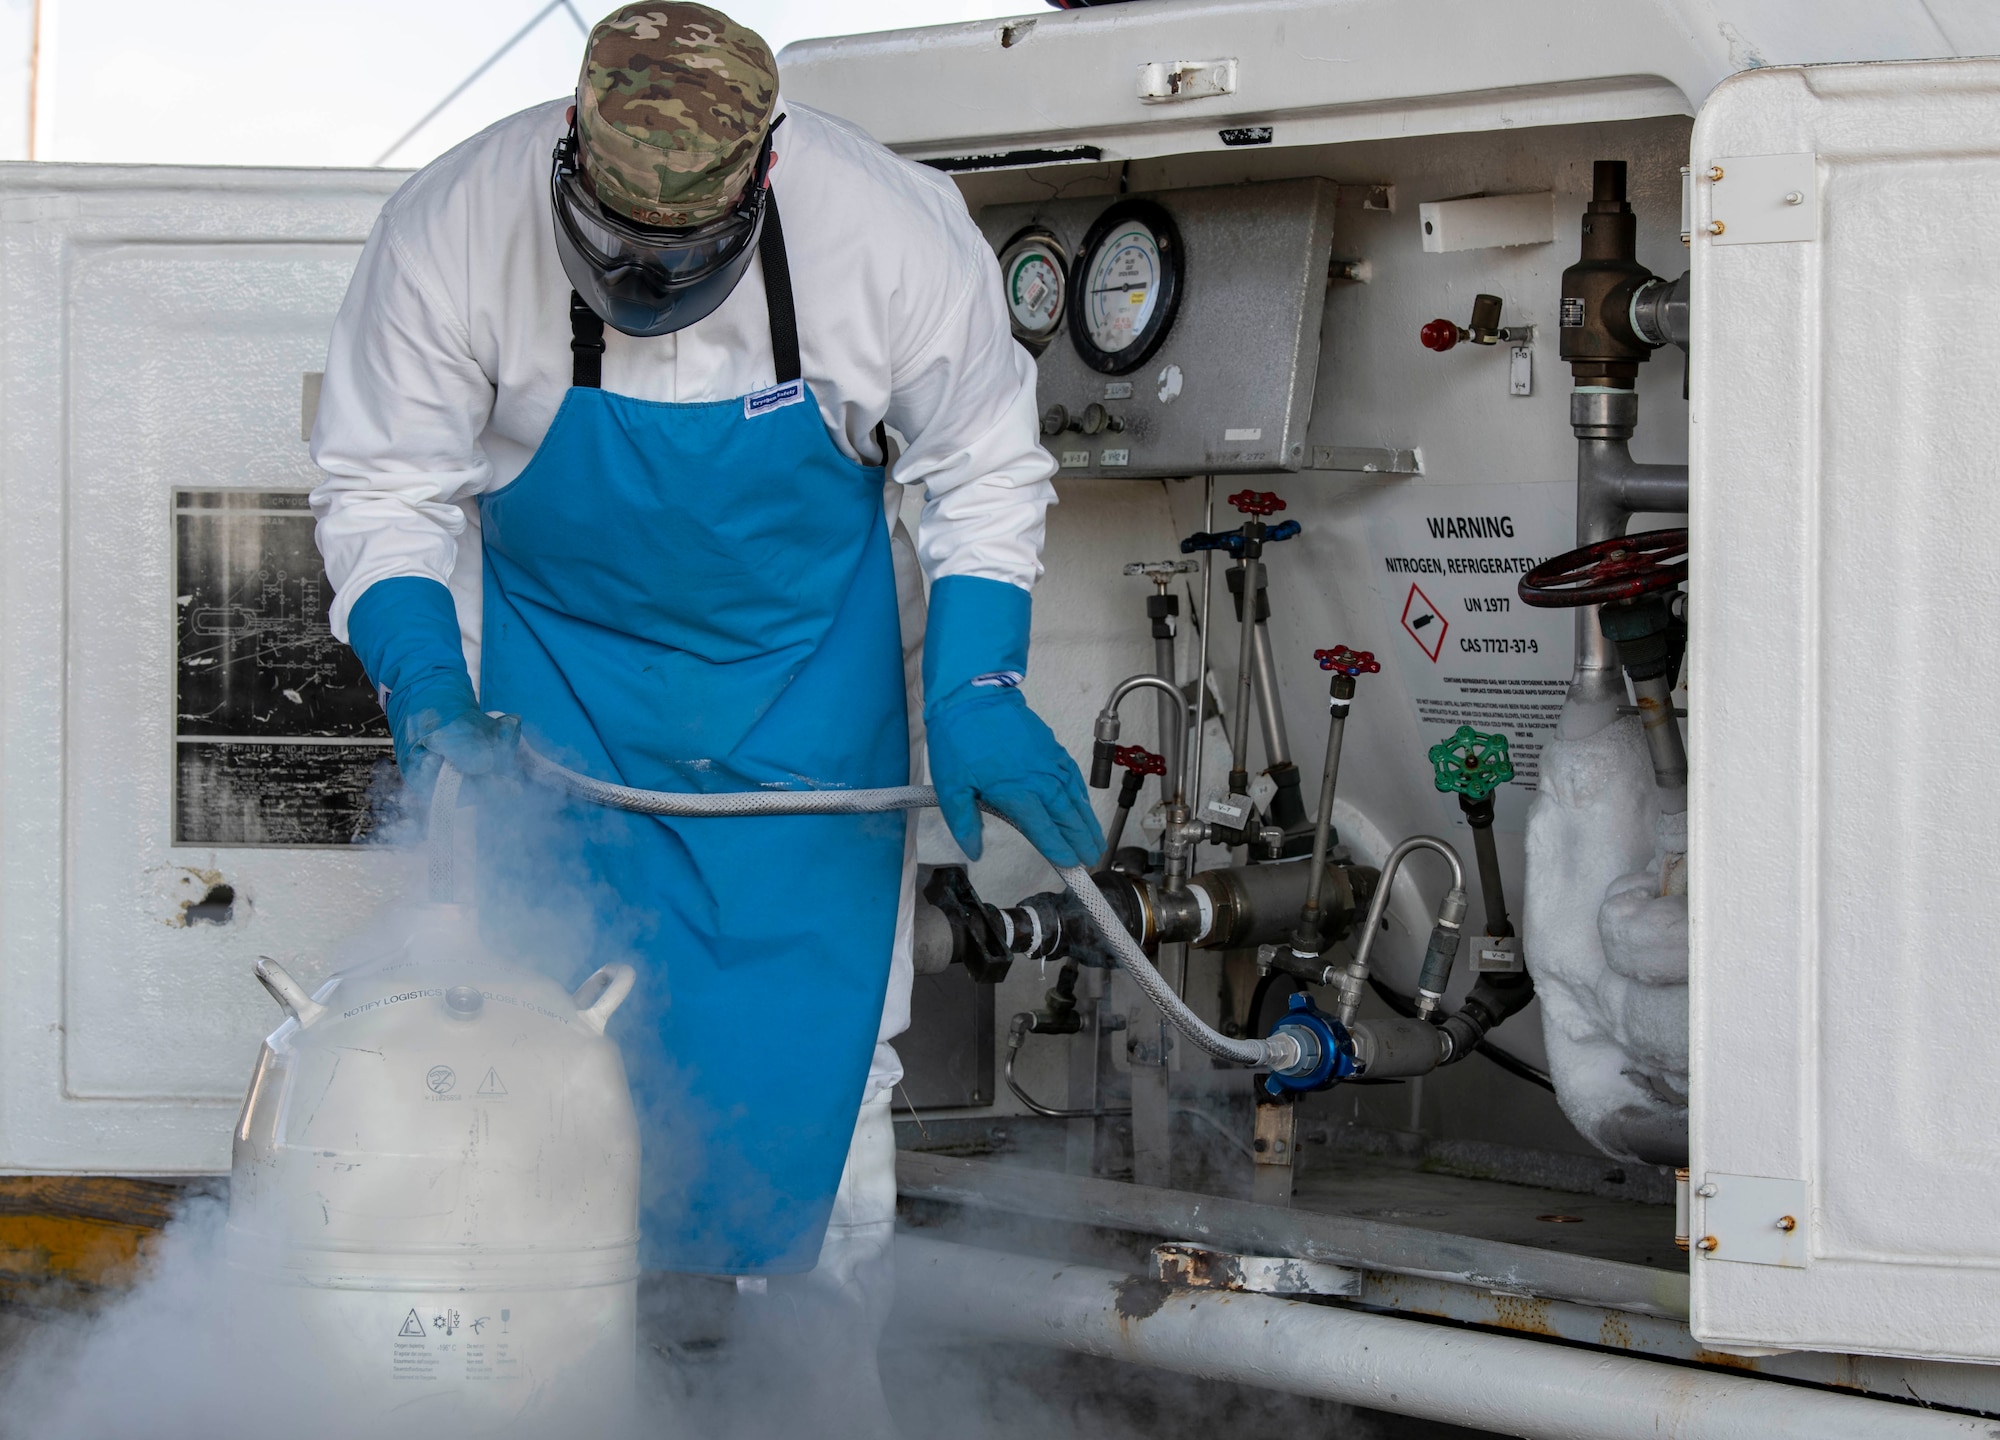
(434, 1194)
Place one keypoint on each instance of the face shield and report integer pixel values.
(643, 279)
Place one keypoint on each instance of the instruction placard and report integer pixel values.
(1468, 651)
(279, 737)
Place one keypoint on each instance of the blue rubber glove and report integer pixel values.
(406, 632)
(985, 743)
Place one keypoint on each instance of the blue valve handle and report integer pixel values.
(1232, 540)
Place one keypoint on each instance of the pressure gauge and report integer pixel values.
(1129, 280)
(1035, 273)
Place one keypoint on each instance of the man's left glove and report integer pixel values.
(405, 630)
(985, 744)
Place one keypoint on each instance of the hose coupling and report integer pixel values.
(1104, 749)
(1441, 953)
(1325, 1051)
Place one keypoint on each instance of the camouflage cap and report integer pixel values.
(671, 109)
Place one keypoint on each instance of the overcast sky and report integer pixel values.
(334, 82)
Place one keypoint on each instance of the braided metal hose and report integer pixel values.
(1279, 1051)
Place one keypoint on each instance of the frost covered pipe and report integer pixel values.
(1409, 1367)
(1354, 979)
(1286, 1051)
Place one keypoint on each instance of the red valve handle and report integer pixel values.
(1440, 335)
(1256, 502)
(1139, 760)
(1348, 662)
(1621, 568)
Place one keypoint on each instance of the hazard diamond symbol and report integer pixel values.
(1425, 625)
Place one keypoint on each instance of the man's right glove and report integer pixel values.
(985, 744)
(405, 630)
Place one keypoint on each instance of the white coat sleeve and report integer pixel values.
(963, 394)
(400, 414)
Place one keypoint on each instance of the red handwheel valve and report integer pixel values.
(1256, 502)
(1139, 760)
(1343, 661)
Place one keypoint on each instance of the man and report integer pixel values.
(602, 423)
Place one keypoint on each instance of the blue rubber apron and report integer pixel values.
(699, 597)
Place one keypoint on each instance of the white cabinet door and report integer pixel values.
(182, 754)
(1845, 696)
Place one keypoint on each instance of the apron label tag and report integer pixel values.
(762, 402)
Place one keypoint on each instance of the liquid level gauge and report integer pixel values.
(1034, 272)
(1128, 287)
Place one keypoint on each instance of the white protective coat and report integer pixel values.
(451, 355)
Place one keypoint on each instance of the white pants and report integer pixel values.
(823, 1327)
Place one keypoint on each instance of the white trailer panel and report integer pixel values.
(1843, 680)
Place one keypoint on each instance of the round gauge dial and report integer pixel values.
(1034, 272)
(1128, 287)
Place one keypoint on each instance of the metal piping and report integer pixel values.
(1192, 795)
(1270, 712)
(1354, 979)
(1246, 674)
(1016, 1031)
(1171, 741)
(1411, 1367)
(998, 1188)
(1611, 487)
(1108, 725)
(1306, 942)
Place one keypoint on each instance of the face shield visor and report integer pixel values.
(643, 279)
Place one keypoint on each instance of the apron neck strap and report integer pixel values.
(586, 329)
(778, 293)
(586, 345)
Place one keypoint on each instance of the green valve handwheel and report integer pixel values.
(1472, 764)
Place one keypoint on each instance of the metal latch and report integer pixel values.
(1161, 81)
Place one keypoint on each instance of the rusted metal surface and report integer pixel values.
(1249, 1228)
(1195, 1267)
(70, 1237)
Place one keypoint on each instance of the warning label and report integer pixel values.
(1471, 653)
(444, 1343)
(1423, 624)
